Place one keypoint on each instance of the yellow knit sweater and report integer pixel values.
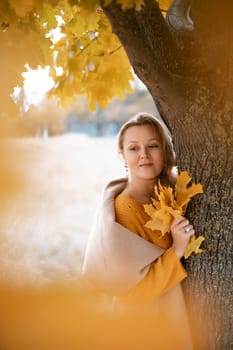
(166, 271)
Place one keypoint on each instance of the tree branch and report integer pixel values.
(149, 28)
(181, 24)
(151, 49)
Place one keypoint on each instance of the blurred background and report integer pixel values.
(59, 160)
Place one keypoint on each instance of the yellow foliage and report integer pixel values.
(97, 65)
(17, 48)
(92, 61)
(170, 204)
(21, 8)
(47, 18)
(164, 4)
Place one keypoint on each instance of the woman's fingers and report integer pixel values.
(182, 225)
(180, 222)
(189, 230)
(181, 231)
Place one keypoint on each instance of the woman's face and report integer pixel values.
(142, 152)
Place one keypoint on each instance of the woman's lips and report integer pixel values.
(146, 165)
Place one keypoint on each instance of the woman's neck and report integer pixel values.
(142, 191)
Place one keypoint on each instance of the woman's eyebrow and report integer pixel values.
(152, 139)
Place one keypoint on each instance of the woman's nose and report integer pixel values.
(143, 153)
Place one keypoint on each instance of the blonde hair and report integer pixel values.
(167, 175)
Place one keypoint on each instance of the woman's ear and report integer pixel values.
(121, 156)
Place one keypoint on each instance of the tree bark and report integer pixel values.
(208, 157)
(191, 81)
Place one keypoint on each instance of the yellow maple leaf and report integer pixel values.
(160, 226)
(155, 203)
(161, 221)
(149, 209)
(194, 246)
(162, 211)
(184, 192)
(170, 203)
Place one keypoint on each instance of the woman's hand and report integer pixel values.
(181, 231)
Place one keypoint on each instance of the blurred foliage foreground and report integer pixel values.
(62, 318)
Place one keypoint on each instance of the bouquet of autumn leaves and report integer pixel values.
(170, 203)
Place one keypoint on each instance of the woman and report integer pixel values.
(123, 257)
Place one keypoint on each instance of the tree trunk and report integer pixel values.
(206, 151)
(190, 77)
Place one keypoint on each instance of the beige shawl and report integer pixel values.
(116, 260)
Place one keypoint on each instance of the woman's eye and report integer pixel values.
(154, 145)
(133, 148)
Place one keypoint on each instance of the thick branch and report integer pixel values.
(181, 24)
(151, 49)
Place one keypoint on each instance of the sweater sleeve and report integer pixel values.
(164, 273)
